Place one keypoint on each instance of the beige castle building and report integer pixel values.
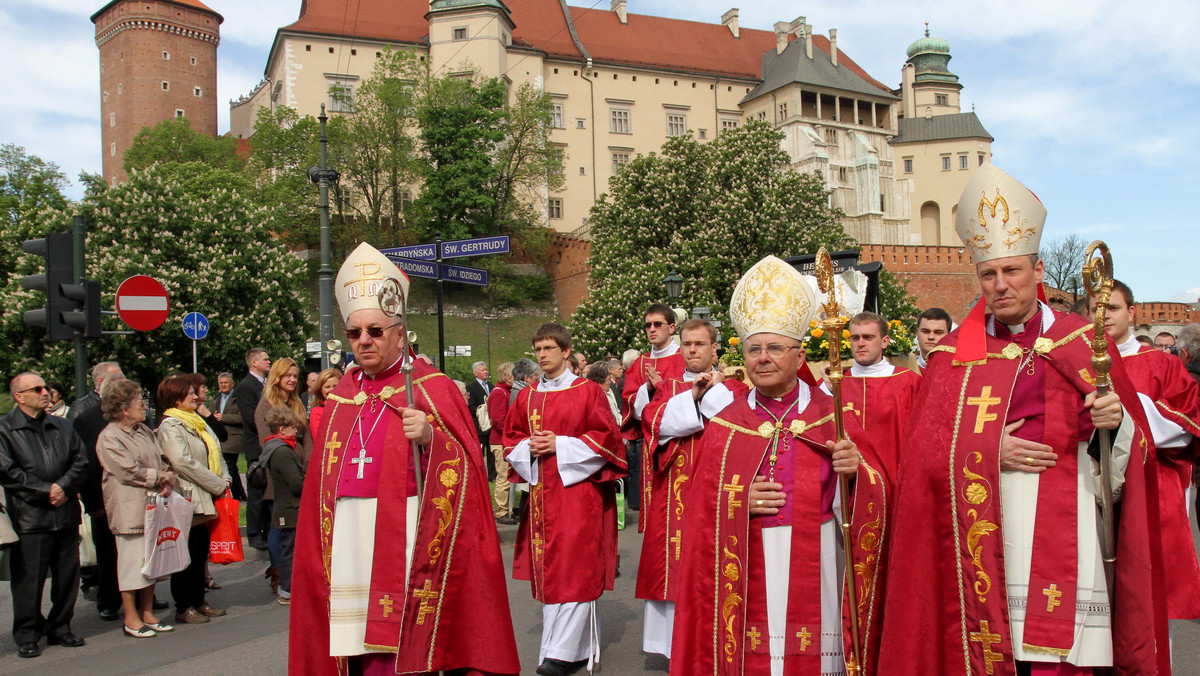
(623, 83)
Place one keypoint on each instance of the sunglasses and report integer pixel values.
(654, 325)
(39, 389)
(374, 331)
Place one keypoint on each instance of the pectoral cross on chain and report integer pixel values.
(362, 461)
(333, 445)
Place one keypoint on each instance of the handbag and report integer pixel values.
(87, 546)
(7, 535)
(168, 524)
(483, 418)
(225, 545)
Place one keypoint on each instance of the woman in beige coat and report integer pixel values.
(133, 466)
(193, 452)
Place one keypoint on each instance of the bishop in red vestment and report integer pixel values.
(995, 565)
(1172, 405)
(384, 582)
(760, 589)
(561, 438)
(673, 423)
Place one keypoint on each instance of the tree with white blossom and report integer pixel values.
(197, 230)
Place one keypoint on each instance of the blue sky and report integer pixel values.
(1091, 102)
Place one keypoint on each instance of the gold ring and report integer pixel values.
(1028, 461)
(760, 503)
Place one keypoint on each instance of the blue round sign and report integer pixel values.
(195, 325)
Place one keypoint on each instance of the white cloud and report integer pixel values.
(1187, 296)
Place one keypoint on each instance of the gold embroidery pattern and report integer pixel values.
(979, 529)
(1087, 376)
(677, 484)
(327, 498)
(445, 505)
(871, 538)
(717, 560)
(437, 616)
(983, 402)
(732, 573)
(985, 637)
(951, 475)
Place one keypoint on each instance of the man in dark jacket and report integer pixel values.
(225, 410)
(477, 395)
(91, 400)
(43, 466)
(246, 395)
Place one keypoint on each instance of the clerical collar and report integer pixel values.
(387, 372)
(921, 362)
(1017, 329)
(881, 368)
(562, 382)
(799, 393)
(688, 376)
(1130, 346)
(671, 348)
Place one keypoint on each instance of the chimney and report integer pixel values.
(618, 6)
(806, 35)
(833, 45)
(730, 20)
(782, 30)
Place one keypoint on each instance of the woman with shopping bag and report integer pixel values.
(192, 451)
(133, 466)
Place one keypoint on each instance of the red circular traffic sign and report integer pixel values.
(142, 303)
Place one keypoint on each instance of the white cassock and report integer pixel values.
(642, 398)
(570, 631)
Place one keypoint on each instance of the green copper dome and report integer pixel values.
(931, 59)
(437, 5)
(928, 45)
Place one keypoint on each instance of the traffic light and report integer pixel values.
(57, 249)
(85, 315)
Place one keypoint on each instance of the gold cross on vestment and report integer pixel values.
(387, 603)
(333, 445)
(1052, 595)
(535, 421)
(805, 637)
(850, 407)
(678, 538)
(755, 637)
(984, 401)
(425, 593)
(537, 545)
(733, 489)
(987, 638)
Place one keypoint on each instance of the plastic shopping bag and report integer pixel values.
(87, 546)
(620, 485)
(225, 546)
(168, 524)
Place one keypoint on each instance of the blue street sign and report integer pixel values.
(421, 252)
(461, 273)
(195, 326)
(414, 268)
(480, 246)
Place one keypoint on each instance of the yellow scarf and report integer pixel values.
(197, 423)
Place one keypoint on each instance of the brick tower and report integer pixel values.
(158, 60)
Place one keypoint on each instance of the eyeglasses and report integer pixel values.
(38, 388)
(654, 325)
(374, 331)
(773, 350)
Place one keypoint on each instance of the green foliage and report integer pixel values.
(28, 186)
(708, 211)
(198, 230)
(895, 302)
(282, 149)
(174, 140)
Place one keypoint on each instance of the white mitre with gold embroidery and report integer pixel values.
(361, 277)
(998, 217)
(772, 297)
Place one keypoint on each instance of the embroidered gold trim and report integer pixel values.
(444, 504)
(381, 648)
(979, 529)
(732, 573)
(1061, 652)
(962, 610)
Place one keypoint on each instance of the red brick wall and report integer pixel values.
(567, 268)
(938, 276)
(1166, 313)
(132, 36)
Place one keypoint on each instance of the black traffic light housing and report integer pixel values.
(85, 314)
(57, 249)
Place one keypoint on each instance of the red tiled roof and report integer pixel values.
(196, 4)
(646, 41)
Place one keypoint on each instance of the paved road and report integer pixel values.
(254, 634)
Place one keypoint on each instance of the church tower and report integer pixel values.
(929, 88)
(158, 60)
(475, 32)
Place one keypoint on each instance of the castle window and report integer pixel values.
(166, 86)
(556, 116)
(555, 209)
(945, 163)
(962, 161)
(676, 125)
(619, 160)
(112, 149)
(104, 97)
(196, 91)
(120, 87)
(166, 55)
(331, 50)
(981, 159)
(844, 174)
(942, 100)
(579, 123)
(908, 165)
(353, 52)
(762, 115)
(460, 33)
(341, 96)
(112, 119)
(179, 112)
(703, 133)
(729, 125)
(618, 121)
(831, 136)
(193, 60)
(583, 171)
(308, 48)
(783, 111)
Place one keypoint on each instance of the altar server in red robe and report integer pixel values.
(1172, 404)
(878, 394)
(673, 423)
(760, 587)
(384, 583)
(561, 438)
(995, 564)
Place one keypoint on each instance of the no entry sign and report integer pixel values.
(142, 303)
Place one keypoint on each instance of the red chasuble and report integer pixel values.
(663, 507)
(721, 606)
(946, 611)
(567, 540)
(452, 612)
(1163, 378)
(670, 367)
(881, 405)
